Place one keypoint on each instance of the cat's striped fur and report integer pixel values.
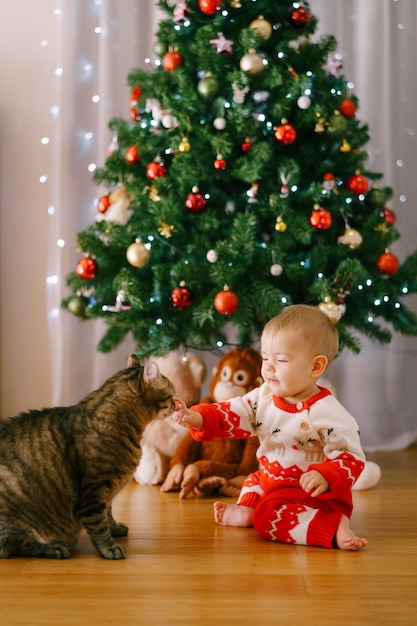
(60, 468)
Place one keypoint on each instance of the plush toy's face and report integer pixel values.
(237, 373)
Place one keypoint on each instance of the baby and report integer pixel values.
(309, 454)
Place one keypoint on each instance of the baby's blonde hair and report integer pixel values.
(317, 330)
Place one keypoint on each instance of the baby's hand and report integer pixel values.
(313, 483)
(184, 416)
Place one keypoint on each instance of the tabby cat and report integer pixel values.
(60, 468)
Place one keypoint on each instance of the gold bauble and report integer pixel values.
(351, 238)
(262, 27)
(331, 310)
(252, 63)
(184, 145)
(138, 254)
(280, 225)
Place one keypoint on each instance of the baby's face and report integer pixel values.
(287, 366)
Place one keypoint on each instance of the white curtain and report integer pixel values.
(377, 40)
(378, 44)
(100, 41)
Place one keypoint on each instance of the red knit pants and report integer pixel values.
(289, 515)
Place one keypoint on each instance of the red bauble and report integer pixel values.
(171, 60)
(134, 114)
(87, 268)
(226, 301)
(219, 163)
(209, 7)
(156, 169)
(389, 216)
(358, 184)
(285, 134)
(132, 154)
(320, 219)
(387, 263)
(135, 95)
(347, 108)
(181, 297)
(246, 145)
(103, 203)
(195, 201)
(300, 17)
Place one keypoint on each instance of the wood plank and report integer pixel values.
(182, 569)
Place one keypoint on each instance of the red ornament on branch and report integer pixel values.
(171, 60)
(320, 218)
(155, 169)
(347, 108)
(389, 216)
(285, 134)
(220, 163)
(209, 7)
(300, 17)
(135, 95)
(181, 297)
(226, 301)
(87, 268)
(132, 154)
(247, 145)
(387, 263)
(134, 114)
(103, 203)
(195, 201)
(358, 184)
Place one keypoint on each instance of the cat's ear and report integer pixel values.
(132, 361)
(151, 372)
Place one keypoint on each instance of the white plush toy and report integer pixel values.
(369, 478)
(161, 437)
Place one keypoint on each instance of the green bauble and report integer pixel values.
(76, 306)
(338, 123)
(208, 87)
(377, 197)
(160, 48)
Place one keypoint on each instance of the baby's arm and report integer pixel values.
(185, 416)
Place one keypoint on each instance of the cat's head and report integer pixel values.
(156, 390)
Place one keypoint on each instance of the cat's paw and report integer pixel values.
(54, 550)
(119, 530)
(114, 552)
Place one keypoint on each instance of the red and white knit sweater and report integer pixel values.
(318, 433)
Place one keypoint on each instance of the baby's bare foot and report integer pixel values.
(232, 514)
(346, 538)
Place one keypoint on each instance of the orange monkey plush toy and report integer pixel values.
(220, 465)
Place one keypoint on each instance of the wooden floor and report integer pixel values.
(183, 569)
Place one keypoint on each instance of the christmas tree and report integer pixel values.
(236, 186)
